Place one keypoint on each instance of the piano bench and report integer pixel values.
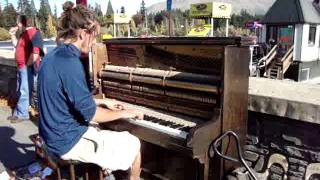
(57, 163)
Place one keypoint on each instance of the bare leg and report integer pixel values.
(136, 168)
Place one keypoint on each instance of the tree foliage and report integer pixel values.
(9, 15)
(239, 20)
(4, 34)
(109, 8)
(43, 17)
(52, 32)
(97, 10)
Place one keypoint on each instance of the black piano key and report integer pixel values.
(167, 123)
(176, 126)
(186, 129)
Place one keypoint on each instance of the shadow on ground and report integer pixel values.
(12, 153)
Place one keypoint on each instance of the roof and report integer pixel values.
(292, 12)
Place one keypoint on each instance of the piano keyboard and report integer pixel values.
(174, 125)
(166, 127)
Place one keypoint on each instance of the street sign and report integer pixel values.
(201, 10)
(169, 5)
(221, 10)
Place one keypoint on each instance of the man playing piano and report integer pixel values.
(67, 107)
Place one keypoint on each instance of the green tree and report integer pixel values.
(158, 18)
(43, 17)
(27, 8)
(33, 8)
(239, 20)
(4, 34)
(55, 14)
(143, 7)
(52, 32)
(46, 3)
(97, 10)
(109, 8)
(9, 16)
(1, 17)
(137, 18)
(20, 5)
(143, 10)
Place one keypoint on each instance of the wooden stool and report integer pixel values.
(57, 163)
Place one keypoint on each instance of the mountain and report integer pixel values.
(258, 7)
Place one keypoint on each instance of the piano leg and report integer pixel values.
(206, 168)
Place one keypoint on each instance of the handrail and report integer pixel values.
(287, 60)
(287, 54)
(271, 55)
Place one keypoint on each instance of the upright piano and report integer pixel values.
(190, 89)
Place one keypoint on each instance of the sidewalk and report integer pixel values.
(16, 148)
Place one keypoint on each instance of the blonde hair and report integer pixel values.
(75, 18)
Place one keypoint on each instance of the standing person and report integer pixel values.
(67, 107)
(28, 44)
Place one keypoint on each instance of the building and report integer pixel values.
(296, 23)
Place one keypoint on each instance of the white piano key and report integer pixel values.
(159, 127)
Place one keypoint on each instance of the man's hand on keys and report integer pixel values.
(133, 113)
(111, 104)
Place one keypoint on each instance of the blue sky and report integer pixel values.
(131, 5)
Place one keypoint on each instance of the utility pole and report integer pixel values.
(146, 19)
(169, 8)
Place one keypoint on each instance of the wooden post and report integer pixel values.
(227, 28)
(72, 172)
(212, 27)
(170, 24)
(129, 30)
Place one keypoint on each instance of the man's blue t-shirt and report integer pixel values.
(65, 103)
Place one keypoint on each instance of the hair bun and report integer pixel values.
(68, 6)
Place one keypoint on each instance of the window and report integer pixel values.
(312, 35)
(305, 74)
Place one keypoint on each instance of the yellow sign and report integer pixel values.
(118, 18)
(107, 36)
(201, 10)
(221, 10)
(200, 31)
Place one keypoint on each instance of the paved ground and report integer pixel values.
(16, 149)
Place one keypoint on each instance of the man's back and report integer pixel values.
(29, 42)
(65, 102)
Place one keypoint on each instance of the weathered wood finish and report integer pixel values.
(203, 56)
(99, 57)
(235, 96)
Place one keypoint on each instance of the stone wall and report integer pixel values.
(282, 148)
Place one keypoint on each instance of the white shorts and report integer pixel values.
(109, 149)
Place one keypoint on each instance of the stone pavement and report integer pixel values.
(16, 149)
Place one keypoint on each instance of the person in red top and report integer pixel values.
(29, 47)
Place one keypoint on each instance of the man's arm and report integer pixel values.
(35, 55)
(37, 44)
(13, 32)
(104, 115)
